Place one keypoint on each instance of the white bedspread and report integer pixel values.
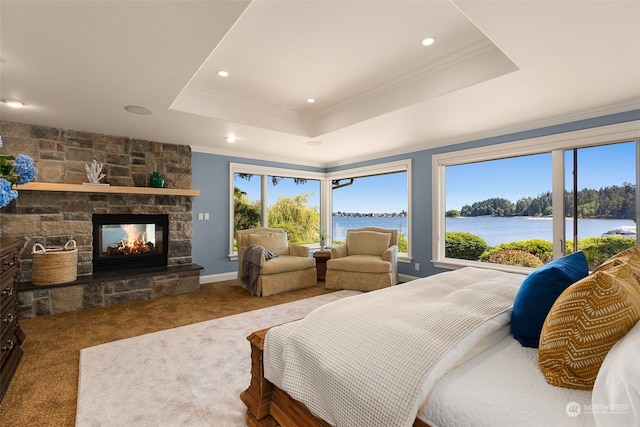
(502, 387)
(371, 359)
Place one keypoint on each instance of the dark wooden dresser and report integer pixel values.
(11, 336)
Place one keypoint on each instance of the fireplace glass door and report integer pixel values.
(129, 241)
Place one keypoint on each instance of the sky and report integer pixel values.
(530, 176)
(375, 194)
(511, 179)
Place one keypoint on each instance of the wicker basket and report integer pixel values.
(53, 266)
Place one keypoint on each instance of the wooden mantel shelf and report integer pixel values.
(113, 189)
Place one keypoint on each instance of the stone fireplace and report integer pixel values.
(59, 208)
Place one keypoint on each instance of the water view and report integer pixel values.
(494, 230)
(343, 223)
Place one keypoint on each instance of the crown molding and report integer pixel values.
(241, 155)
(419, 73)
(539, 124)
(530, 126)
(217, 96)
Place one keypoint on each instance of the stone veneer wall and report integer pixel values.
(53, 218)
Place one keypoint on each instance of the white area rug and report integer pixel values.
(187, 376)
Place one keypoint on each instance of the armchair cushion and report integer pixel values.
(287, 263)
(273, 242)
(361, 264)
(367, 242)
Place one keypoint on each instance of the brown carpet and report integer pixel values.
(44, 390)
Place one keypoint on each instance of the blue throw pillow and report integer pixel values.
(539, 291)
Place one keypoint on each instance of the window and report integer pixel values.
(294, 205)
(600, 201)
(372, 197)
(303, 202)
(274, 197)
(486, 209)
(499, 204)
(247, 212)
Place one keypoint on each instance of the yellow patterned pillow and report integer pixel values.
(586, 320)
(629, 256)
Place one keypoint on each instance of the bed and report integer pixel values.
(324, 370)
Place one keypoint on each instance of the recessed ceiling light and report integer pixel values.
(223, 73)
(136, 109)
(314, 143)
(231, 139)
(311, 100)
(428, 41)
(13, 103)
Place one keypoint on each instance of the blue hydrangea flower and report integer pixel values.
(6, 193)
(23, 166)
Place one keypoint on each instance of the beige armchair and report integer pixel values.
(293, 268)
(367, 261)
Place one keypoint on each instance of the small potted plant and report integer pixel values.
(323, 238)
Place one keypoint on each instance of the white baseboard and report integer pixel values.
(406, 278)
(220, 277)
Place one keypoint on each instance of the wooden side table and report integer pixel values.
(321, 263)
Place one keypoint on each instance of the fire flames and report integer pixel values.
(132, 244)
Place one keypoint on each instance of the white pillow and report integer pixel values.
(616, 392)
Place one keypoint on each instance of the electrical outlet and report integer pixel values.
(206, 216)
(200, 216)
(417, 266)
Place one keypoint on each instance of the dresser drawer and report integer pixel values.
(8, 263)
(8, 316)
(8, 368)
(8, 343)
(7, 289)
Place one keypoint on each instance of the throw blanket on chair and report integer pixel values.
(371, 359)
(252, 260)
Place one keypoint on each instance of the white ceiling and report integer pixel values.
(496, 67)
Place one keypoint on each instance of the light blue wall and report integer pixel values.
(211, 177)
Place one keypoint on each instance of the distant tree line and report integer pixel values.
(608, 202)
(403, 213)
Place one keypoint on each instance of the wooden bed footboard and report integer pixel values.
(269, 406)
(257, 396)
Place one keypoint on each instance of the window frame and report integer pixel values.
(264, 172)
(556, 145)
(326, 205)
(377, 169)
